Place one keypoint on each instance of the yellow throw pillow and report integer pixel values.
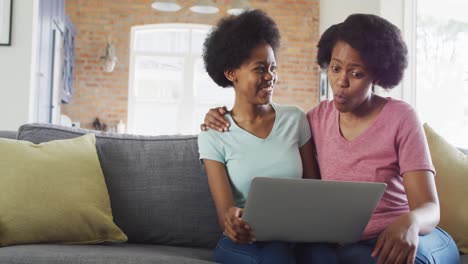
(54, 192)
(452, 185)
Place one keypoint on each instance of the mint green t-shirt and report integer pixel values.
(247, 156)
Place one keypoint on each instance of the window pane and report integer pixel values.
(198, 37)
(442, 68)
(162, 40)
(171, 89)
(208, 94)
(207, 91)
(155, 119)
(158, 78)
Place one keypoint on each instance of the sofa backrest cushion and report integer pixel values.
(465, 151)
(7, 134)
(451, 167)
(158, 188)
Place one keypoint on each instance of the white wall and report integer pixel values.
(336, 11)
(17, 67)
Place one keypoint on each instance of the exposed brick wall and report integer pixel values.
(105, 95)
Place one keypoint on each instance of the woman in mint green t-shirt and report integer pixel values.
(265, 139)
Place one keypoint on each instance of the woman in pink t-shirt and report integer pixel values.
(360, 136)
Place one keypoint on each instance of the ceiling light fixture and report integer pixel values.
(238, 7)
(205, 7)
(166, 5)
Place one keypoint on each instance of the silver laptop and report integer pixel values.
(306, 210)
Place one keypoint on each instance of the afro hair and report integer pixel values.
(378, 42)
(231, 42)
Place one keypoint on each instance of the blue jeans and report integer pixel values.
(435, 247)
(228, 252)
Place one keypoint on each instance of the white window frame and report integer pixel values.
(409, 34)
(188, 76)
(403, 14)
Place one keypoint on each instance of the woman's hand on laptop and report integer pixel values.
(214, 119)
(236, 229)
(398, 242)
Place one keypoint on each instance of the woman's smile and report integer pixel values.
(266, 90)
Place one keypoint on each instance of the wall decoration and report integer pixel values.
(6, 14)
(69, 60)
(325, 92)
(109, 60)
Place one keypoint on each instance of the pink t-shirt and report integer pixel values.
(392, 145)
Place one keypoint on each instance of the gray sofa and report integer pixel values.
(159, 196)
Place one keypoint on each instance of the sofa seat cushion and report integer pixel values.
(103, 254)
(158, 188)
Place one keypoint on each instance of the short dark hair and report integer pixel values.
(378, 42)
(231, 42)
